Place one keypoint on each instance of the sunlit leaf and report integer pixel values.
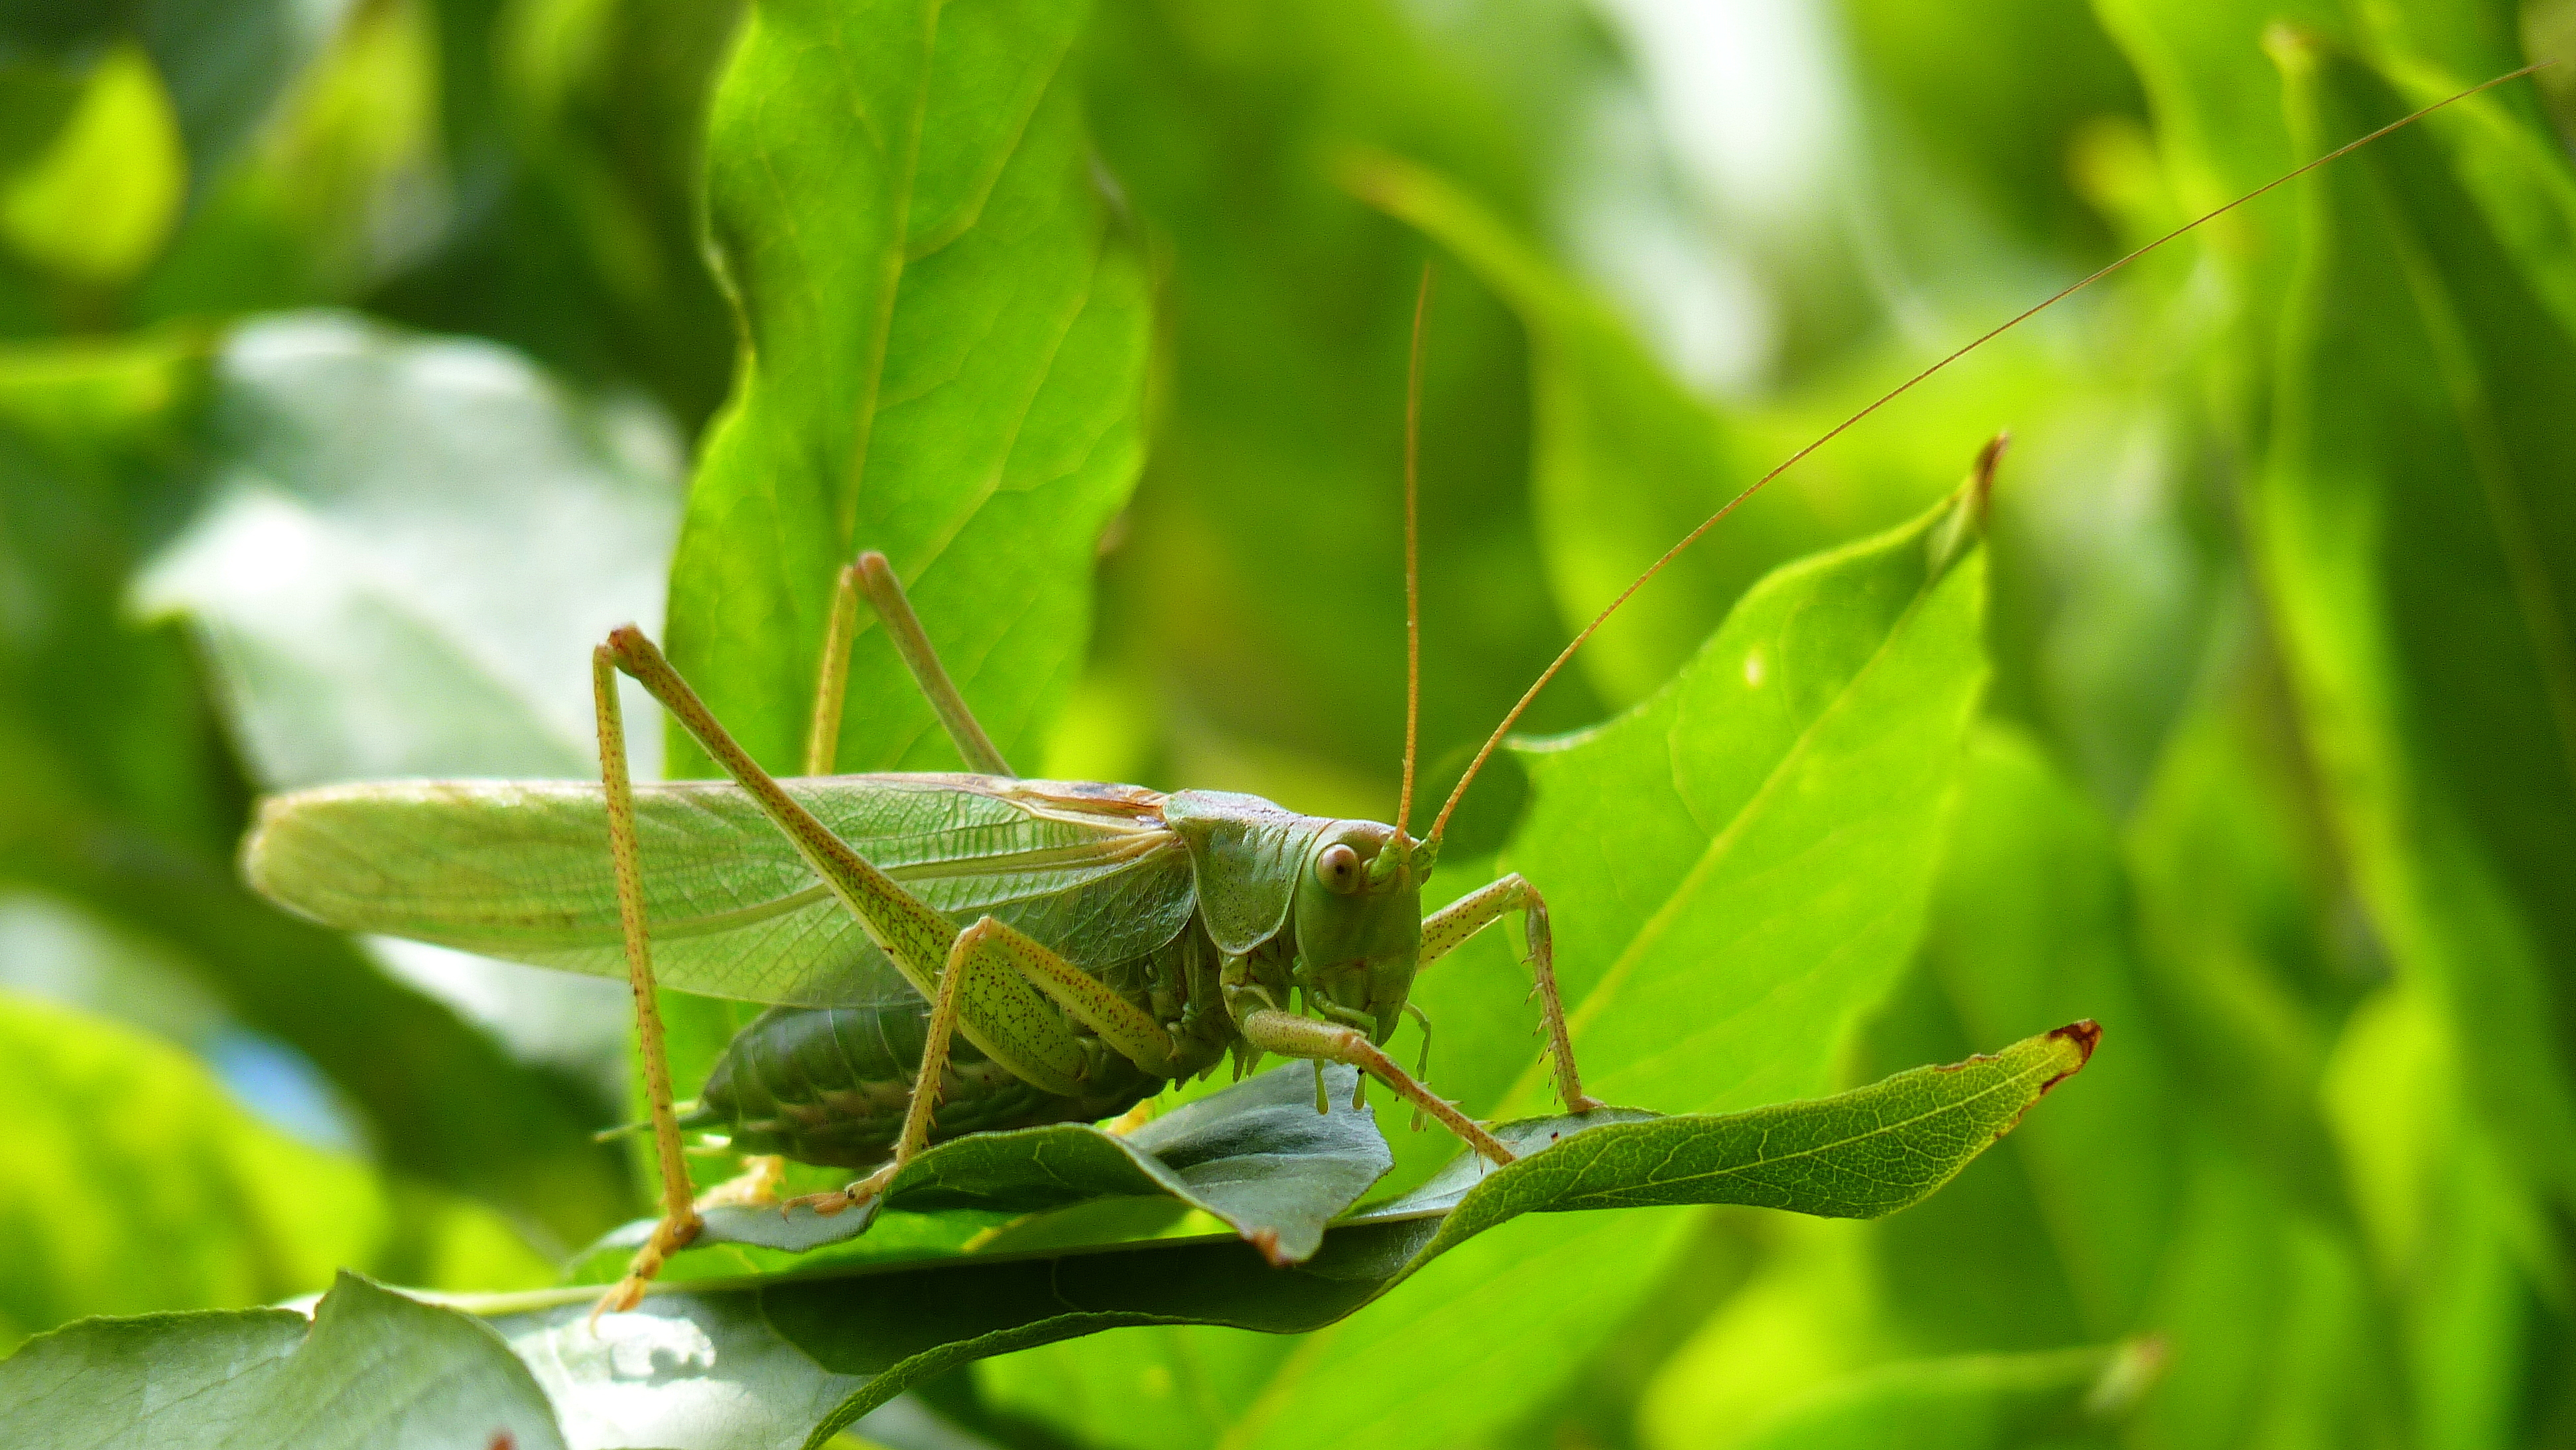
(123, 797)
(372, 1370)
(359, 564)
(2422, 552)
(134, 1183)
(1734, 872)
(1867, 1152)
(97, 203)
(944, 361)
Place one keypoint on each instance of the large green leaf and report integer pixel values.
(1625, 461)
(134, 1183)
(373, 1370)
(2421, 550)
(2059, 1238)
(943, 359)
(122, 795)
(1734, 871)
(1863, 1153)
(1260, 591)
(1257, 1157)
(761, 1360)
(355, 566)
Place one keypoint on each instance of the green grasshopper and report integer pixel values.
(1089, 943)
(1115, 938)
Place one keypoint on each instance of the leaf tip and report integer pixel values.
(2085, 1035)
(1965, 524)
(1981, 480)
(1267, 1240)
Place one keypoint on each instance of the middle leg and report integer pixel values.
(1443, 930)
(987, 965)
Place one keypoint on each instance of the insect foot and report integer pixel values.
(842, 1199)
(669, 1237)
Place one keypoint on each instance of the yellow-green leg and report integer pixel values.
(986, 962)
(680, 1222)
(1011, 997)
(1268, 1029)
(875, 577)
(1444, 929)
(1018, 1030)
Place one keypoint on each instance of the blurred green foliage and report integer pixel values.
(2272, 771)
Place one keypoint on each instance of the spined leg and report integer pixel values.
(680, 1222)
(1444, 929)
(1289, 1035)
(954, 981)
(1010, 1020)
(885, 594)
(987, 959)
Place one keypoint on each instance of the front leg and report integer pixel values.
(1444, 929)
(1268, 1029)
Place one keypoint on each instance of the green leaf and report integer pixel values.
(2057, 1238)
(122, 796)
(375, 1371)
(944, 360)
(1259, 588)
(1862, 1153)
(357, 566)
(2421, 551)
(95, 206)
(1256, 1156)
(1734, 871)
(356, 570)
(1625, 461)
(2059, 1398)
(133, 1183)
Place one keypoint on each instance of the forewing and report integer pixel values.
(520, 870)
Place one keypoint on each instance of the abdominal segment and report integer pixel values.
(829, 1085)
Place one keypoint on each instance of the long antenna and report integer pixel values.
(1442, 820)
(1412, 553)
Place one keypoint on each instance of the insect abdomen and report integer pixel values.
(830, 1084)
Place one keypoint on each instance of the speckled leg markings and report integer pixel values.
(1008, 993)
(680, 1222)
(1444, 929)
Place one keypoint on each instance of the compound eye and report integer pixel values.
(1339, 868)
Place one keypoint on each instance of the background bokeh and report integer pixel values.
(355, 356)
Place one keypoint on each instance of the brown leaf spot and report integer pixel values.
(1267, 1240)
(502, 1440)
(2086, 1035)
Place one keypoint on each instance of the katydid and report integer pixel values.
(945, 953)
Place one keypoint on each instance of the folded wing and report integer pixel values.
(520, 870)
